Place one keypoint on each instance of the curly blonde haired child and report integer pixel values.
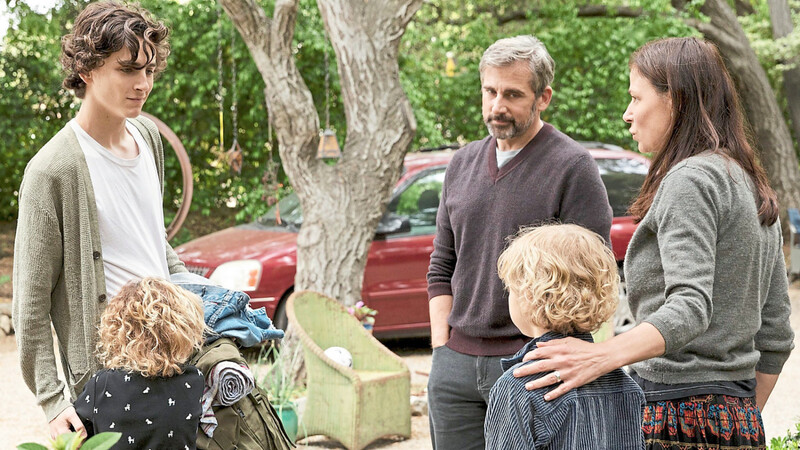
(154, 329)
(562, 281)
(147, 391)
(563, 277)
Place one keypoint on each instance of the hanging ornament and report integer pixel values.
(220, 93)
(328, 146)
(450, 66)
(234, 155)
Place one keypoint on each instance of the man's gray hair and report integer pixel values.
(525, 48)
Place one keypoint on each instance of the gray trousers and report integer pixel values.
(458, 395)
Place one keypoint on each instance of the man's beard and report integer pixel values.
(512, 129)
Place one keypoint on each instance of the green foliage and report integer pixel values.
(33, 107)
(590, 87)
(279, 378)
(591, 55)
(776, 55)
(74, 441)
(789, 442)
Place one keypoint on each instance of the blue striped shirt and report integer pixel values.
(603, 414)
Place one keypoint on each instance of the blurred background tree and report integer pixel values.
(591, 48)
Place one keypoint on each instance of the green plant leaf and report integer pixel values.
(31, 446)
(102, 441)
(74, 441)
(60, 442)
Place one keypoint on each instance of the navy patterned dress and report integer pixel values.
(151, 413)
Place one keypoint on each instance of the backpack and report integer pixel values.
(249, 424)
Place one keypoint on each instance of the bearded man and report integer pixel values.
(524, 173)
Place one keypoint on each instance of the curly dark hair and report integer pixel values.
(103, 28)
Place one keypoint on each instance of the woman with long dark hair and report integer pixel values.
(705, 271)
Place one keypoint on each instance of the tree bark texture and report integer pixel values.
(770, 131)
(781, 18)
(342, 203)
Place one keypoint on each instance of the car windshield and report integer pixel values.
(415, 202)
(286, 213)
(623, 178)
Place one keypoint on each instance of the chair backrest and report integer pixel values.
(324, 323)
(321, 318)
(794, 219)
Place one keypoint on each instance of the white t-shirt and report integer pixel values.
(129, 211)
(503, 157)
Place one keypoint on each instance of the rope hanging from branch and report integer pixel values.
(328, 146)
(234, 154)
(220, 94)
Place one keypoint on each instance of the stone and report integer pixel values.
(5, 325)
(419, 405)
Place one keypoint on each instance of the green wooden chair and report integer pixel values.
(354, 405)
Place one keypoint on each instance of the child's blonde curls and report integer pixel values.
(565, 277)
(151, 327)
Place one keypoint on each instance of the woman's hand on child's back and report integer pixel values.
(579, 362)
(570, 361)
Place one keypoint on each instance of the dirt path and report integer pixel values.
(22, 421)
(782, 410)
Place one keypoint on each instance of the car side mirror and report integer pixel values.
(392, 223)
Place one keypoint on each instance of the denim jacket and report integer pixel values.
(603, 414)
(228, 313)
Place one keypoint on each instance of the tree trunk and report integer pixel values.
(781, 18)
(341, 203)
(771, 133)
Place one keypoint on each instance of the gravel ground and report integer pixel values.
(22, 421)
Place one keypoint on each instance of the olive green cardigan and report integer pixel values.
(58, 267)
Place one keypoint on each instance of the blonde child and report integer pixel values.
(146, 391)
(562, 281)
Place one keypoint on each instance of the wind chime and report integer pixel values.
(270, 179)
(328, 147)
(234, 155)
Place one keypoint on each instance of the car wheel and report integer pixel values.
(279, 319)
(623, 317)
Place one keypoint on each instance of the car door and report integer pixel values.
(395, 281)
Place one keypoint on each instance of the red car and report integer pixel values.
(260, 257)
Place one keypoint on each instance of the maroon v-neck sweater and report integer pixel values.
(552, 179)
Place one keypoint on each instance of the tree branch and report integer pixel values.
(283, 30)
(526, 13)
(249, 18)
(744, 8)
(583, 11)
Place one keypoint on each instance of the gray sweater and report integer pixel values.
(709, 277)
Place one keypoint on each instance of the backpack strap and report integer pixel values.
(270, 417)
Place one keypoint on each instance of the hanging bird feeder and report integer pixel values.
(328, 146)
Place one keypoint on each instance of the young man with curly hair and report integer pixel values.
(90, 216)
(562, 281)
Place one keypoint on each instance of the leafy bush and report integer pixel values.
(34, 107)
(789, 442)
(74, 441)
(276, 372)
(590, 84)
